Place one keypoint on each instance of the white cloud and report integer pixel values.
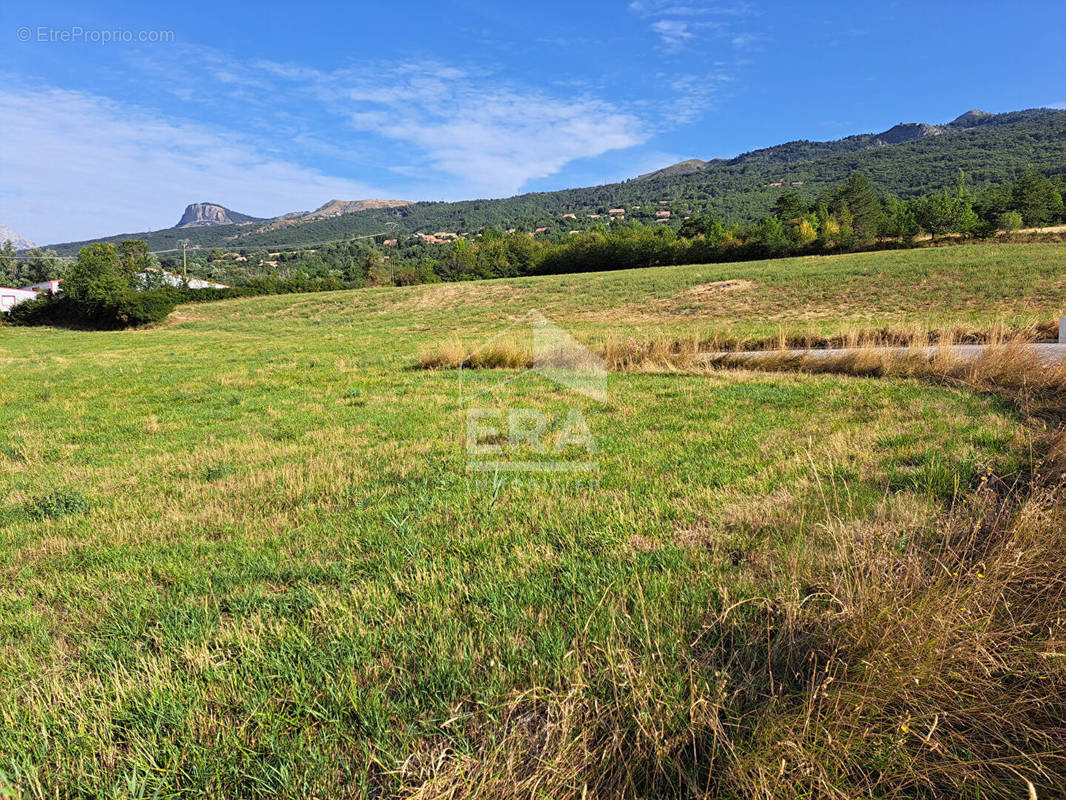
(673, 32)
(494, 137)
(463, 131)
(676, 23)
(694, 95)
(76, 165)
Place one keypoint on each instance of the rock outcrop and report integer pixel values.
(18, 242)
(201, 214)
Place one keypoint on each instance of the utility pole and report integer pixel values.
(184, 264)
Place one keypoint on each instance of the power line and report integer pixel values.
(270, 248)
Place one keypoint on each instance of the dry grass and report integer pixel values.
(887, 664)
(498, 354)
(915, 336)
(931, 669)
(688, 352)
(874, 671)
(1008, 368)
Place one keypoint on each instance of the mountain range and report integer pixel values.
(906, 159)
(200, 214)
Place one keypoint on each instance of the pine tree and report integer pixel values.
(1036, 199)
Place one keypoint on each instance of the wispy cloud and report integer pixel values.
(694, 94)
(677, 23)
(75, 165)
(673, 32)
(458, 126)
(494, 136)
(746, 41)
(427, 129)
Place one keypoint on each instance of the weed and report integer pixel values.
(61, 503)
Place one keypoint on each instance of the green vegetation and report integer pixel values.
(848, 217)
(107, 287)
(739, 190)
(845, 218)
(244, 558)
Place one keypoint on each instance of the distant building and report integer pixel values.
(174, 279)
(540, 230)
(662, 213)
(569, 216)
(797, 183)
(617, 211)
(390, 242)
(52, 287)
(9, 298)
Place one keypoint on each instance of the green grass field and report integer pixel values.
(242, 555)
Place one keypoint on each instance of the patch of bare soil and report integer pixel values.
(706, 291)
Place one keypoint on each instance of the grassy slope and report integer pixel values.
(971, 287)
(287, 582)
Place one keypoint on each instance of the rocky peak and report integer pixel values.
(908, 132)
(974, 116)
(201, 214)
(18, 242)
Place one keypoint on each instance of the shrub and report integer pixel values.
(103, 290)
(1010, 220)
(127, 309)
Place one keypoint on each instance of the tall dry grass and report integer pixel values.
(685, 352)
(498, 354)
(887, 664)
(670, 350)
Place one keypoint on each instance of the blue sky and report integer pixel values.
(272, 107)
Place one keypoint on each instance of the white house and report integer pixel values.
(9, 298)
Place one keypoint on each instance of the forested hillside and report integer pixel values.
(992, 149)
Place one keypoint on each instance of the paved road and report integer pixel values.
(1050, 352)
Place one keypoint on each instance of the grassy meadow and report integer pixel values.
(241, 554)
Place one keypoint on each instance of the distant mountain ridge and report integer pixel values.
(199, 215)
(334, 208)
(803, 148)
(924, 158)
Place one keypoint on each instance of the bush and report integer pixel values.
(1010, 221)
(127, 309)
(104, 289)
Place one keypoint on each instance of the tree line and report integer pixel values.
(120, 285)
(847, 217)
